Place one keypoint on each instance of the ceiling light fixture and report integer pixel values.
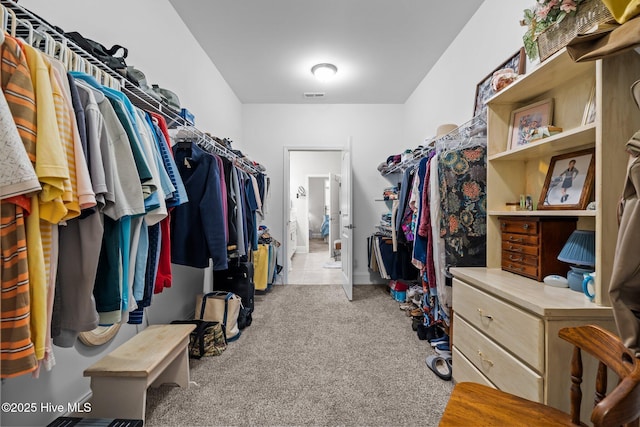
(324, 71)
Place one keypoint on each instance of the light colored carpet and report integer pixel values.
(312, 358)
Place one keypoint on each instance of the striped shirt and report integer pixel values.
(17, 352)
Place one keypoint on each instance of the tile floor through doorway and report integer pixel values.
(308, 269)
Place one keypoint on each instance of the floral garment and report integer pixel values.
(463, 223)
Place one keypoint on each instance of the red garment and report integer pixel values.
(424, 228)
(164, 275)
(162, 124)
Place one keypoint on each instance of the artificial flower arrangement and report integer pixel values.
(541, 16)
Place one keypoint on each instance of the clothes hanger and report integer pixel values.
(3, 22)
(4, 18)
(9, 21)
(29, 27)
(60, 53)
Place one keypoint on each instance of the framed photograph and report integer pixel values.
(484, 90)
(526, 120)
(590, 109)
(569, 181)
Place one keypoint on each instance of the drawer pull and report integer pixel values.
(518, 259)
(484, 359)
(511, 266)
(515, 249)
(513, 239)
(525, 226)
(488, 316)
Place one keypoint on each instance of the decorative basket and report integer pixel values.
(557, 36)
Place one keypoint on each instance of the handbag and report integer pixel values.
(222, 307)
(107, 56)
(207, 339)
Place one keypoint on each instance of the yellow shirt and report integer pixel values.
(53, 172)
(51, 162)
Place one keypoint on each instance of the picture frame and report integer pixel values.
(569, 181)
(589, 115)
(526, 120)
(484, 91)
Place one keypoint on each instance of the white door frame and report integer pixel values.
(286, 200)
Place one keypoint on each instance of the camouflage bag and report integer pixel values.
(207, 339)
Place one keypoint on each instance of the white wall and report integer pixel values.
(446, 94)
(159, 44)
(375, 132)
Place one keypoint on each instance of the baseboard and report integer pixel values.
(368, 279)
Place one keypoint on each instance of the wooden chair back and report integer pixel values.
(622, 405)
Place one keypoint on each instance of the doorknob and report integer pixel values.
(350, 226)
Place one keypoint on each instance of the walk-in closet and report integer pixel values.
(293, 213)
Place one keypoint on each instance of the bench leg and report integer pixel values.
(177, 372)
(118, 397)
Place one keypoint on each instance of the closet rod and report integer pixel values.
(137, 96)
(477, 126)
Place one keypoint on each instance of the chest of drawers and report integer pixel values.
(505, 334)
(530, 245)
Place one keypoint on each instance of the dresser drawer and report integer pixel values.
(501, 368)
(525, 226)
(523, 239)
(516, 330)
(520, 258)
(465, 371)
(530, 271)
(529, 249)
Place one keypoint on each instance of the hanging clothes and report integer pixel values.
(18, 180)
(88, 183)
(197, 228)
(463, 225)
(624, 285)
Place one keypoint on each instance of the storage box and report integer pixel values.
(400, 296)
(188, 116)
(557, 36)
(398, 285)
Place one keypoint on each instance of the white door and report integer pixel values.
(334, 209)
(346, 225)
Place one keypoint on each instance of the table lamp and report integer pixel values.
(579, 251)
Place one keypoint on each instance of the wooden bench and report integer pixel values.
(119, 381)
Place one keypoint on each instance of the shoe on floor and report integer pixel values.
(439, 366)
(442, 340)
(407, 306)
(415, 312)
(443, 349)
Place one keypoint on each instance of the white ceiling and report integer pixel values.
(383, 48)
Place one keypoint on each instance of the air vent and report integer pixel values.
(311, 95)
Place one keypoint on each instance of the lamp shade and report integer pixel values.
(580, 249)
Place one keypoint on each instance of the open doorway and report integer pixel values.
(314, 217)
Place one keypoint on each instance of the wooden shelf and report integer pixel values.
(550, 74)
(570, 140)
(523, 170)
(578, 213)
